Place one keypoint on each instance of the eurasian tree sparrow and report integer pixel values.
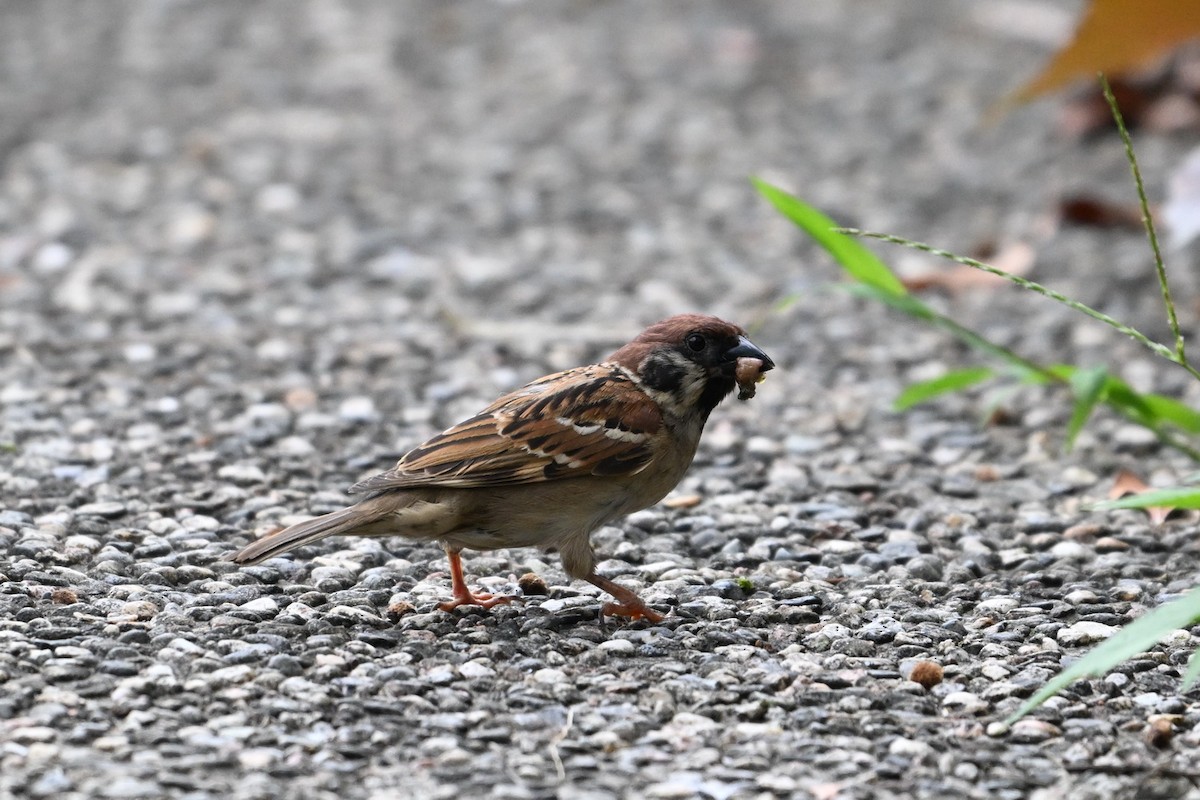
(549, 463)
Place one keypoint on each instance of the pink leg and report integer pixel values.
(463, 595)
(628, 604)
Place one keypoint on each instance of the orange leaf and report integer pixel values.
(1128, 483)
(1116, 36)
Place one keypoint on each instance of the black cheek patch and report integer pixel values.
(662, 375)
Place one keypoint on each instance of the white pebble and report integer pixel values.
(550, 676)
(1085, 633)
(358, 409)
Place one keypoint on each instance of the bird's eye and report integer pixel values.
(695, 342)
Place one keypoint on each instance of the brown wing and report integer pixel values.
(587, 421)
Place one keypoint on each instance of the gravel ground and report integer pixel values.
(250, 253)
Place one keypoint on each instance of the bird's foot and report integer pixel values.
(628, 603)
(467, 598)
(634, 610)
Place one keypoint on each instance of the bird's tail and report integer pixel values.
(333, 524)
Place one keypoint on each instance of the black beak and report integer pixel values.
(748, 349)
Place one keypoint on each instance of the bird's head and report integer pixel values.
(690, 362)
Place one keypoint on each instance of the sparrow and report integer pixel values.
(549, 463)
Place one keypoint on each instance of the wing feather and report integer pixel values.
(588, 421)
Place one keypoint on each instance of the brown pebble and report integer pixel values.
(300, 399)
(399, 609)
(986, 473)
(1110, 544)
(1083, 531)
(1160, 729)
(64, 597)
(683, 501)
(926, 673)
(532, 584)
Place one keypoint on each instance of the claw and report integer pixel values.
(463, 596)
(628, 604)
(637, 610)
(469, 599)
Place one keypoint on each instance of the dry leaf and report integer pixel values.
(1128, 483)
(1089, 113)
(1115, 36)
(1094, 212)
(1015, 258)
(683, 501)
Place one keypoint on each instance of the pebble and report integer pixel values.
(550, 676)
(966, 703)
(242, 474)
(1033, 730)
(357, 409)
(109, 509)
(1082, 633)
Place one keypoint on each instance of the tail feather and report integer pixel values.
(302, 533)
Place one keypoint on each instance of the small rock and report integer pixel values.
(357, 409)
(242, 474)
(966, 703)
(909, 748)
(1070, 550)
(926, 673)
(33, 733)
(532, 584)
(622, 647)
(1028, 731)
(108, 509)
(331, 579)
(1082, 633)
(1083, 531)
(550, 676)
(472, 670)
(1160, 729)
(1080, 596)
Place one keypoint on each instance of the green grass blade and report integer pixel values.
(949, 382)
(1088, 386)
(1193, 671)
(1174, 497)
(1155, 347)
(1129, 402)
(1134, 638)
(1170, 410)
(857, 260)
(1160, 266)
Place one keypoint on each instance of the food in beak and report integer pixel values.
(749, 372)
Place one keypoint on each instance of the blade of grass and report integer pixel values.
(1134, 638)
(1088, 386)
(857, 260)
(1193, 671)
(949, 382)
(1174, 497)
(875, 280)
(1155, 347)
(1168, 409)
(1160, 267)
